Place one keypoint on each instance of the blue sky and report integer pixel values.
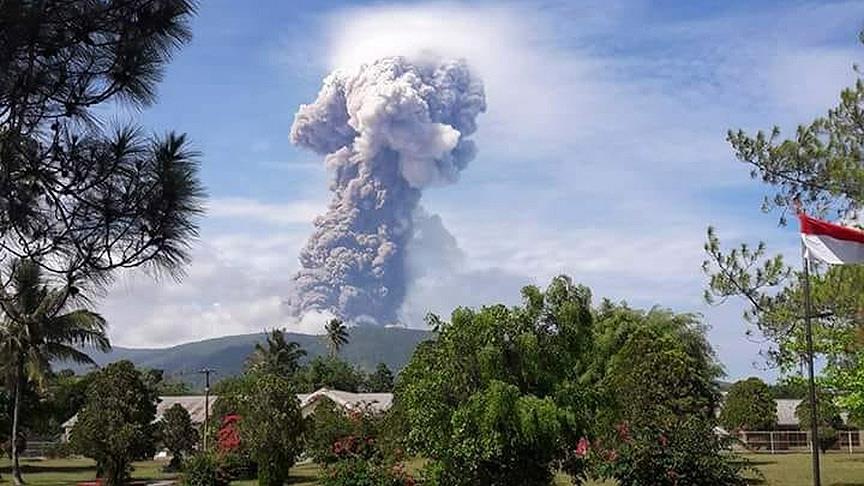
(602, 153)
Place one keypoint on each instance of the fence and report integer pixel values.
(39, 448)
(779, 441)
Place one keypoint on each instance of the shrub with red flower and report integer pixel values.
(228, 437)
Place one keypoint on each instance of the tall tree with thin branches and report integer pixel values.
(337, 336)
(37, 328)
(80, 197)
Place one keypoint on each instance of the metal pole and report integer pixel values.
(206, 372)
(814, 425)
(771, 438)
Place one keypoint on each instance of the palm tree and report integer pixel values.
(279, 356)
(36, 328)
(337, 336)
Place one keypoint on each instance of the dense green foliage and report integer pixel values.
(178, 435)
(749, 405)
(115, 427)
(688, 452)
(329, 372)
(271, 426)
(503, 394)
(203, 469)
(496, 398)
(655, 423)
(363, 472)
(381, 381)
(327, 425)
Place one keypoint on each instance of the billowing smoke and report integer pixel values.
(387, 130)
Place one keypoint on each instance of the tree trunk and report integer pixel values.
(16, 408)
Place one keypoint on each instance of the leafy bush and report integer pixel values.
(688, 453)
(237, 465)
(357, 471)
(203, 469)
(331, 426)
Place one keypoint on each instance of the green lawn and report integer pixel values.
(778, 470)
(64, 472)
(838, 469)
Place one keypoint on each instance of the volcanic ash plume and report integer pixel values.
(388, 130)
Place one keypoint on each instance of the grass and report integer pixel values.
(838, 469)
(57, 472)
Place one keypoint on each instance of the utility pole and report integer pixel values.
(814, 424)
(206, 372)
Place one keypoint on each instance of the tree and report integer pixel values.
(654, 382)
(749, 405)
(329, 372)
(337, 336)
(655, 422)
(828, 416)
(819, 170)
(381, 381)
(77, 200)
(37, 328)
(178, 435)
(271, 426)
(279, 356)
(496, 398)
(115, 427)
(155, 379)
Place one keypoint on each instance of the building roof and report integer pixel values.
(376, 402)
(194, 404)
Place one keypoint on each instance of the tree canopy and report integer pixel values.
(115, 427)
(496, 398)
(749, 405)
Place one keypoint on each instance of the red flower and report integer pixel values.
(582, 447)
(228, 437)
(664, 441)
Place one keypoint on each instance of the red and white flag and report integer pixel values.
(831, 243)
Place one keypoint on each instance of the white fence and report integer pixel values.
(779, 441)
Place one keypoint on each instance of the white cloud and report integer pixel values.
(295, 212)
(235, 284)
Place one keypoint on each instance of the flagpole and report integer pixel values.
(808, 313)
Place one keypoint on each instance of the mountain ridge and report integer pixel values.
(367, 346)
